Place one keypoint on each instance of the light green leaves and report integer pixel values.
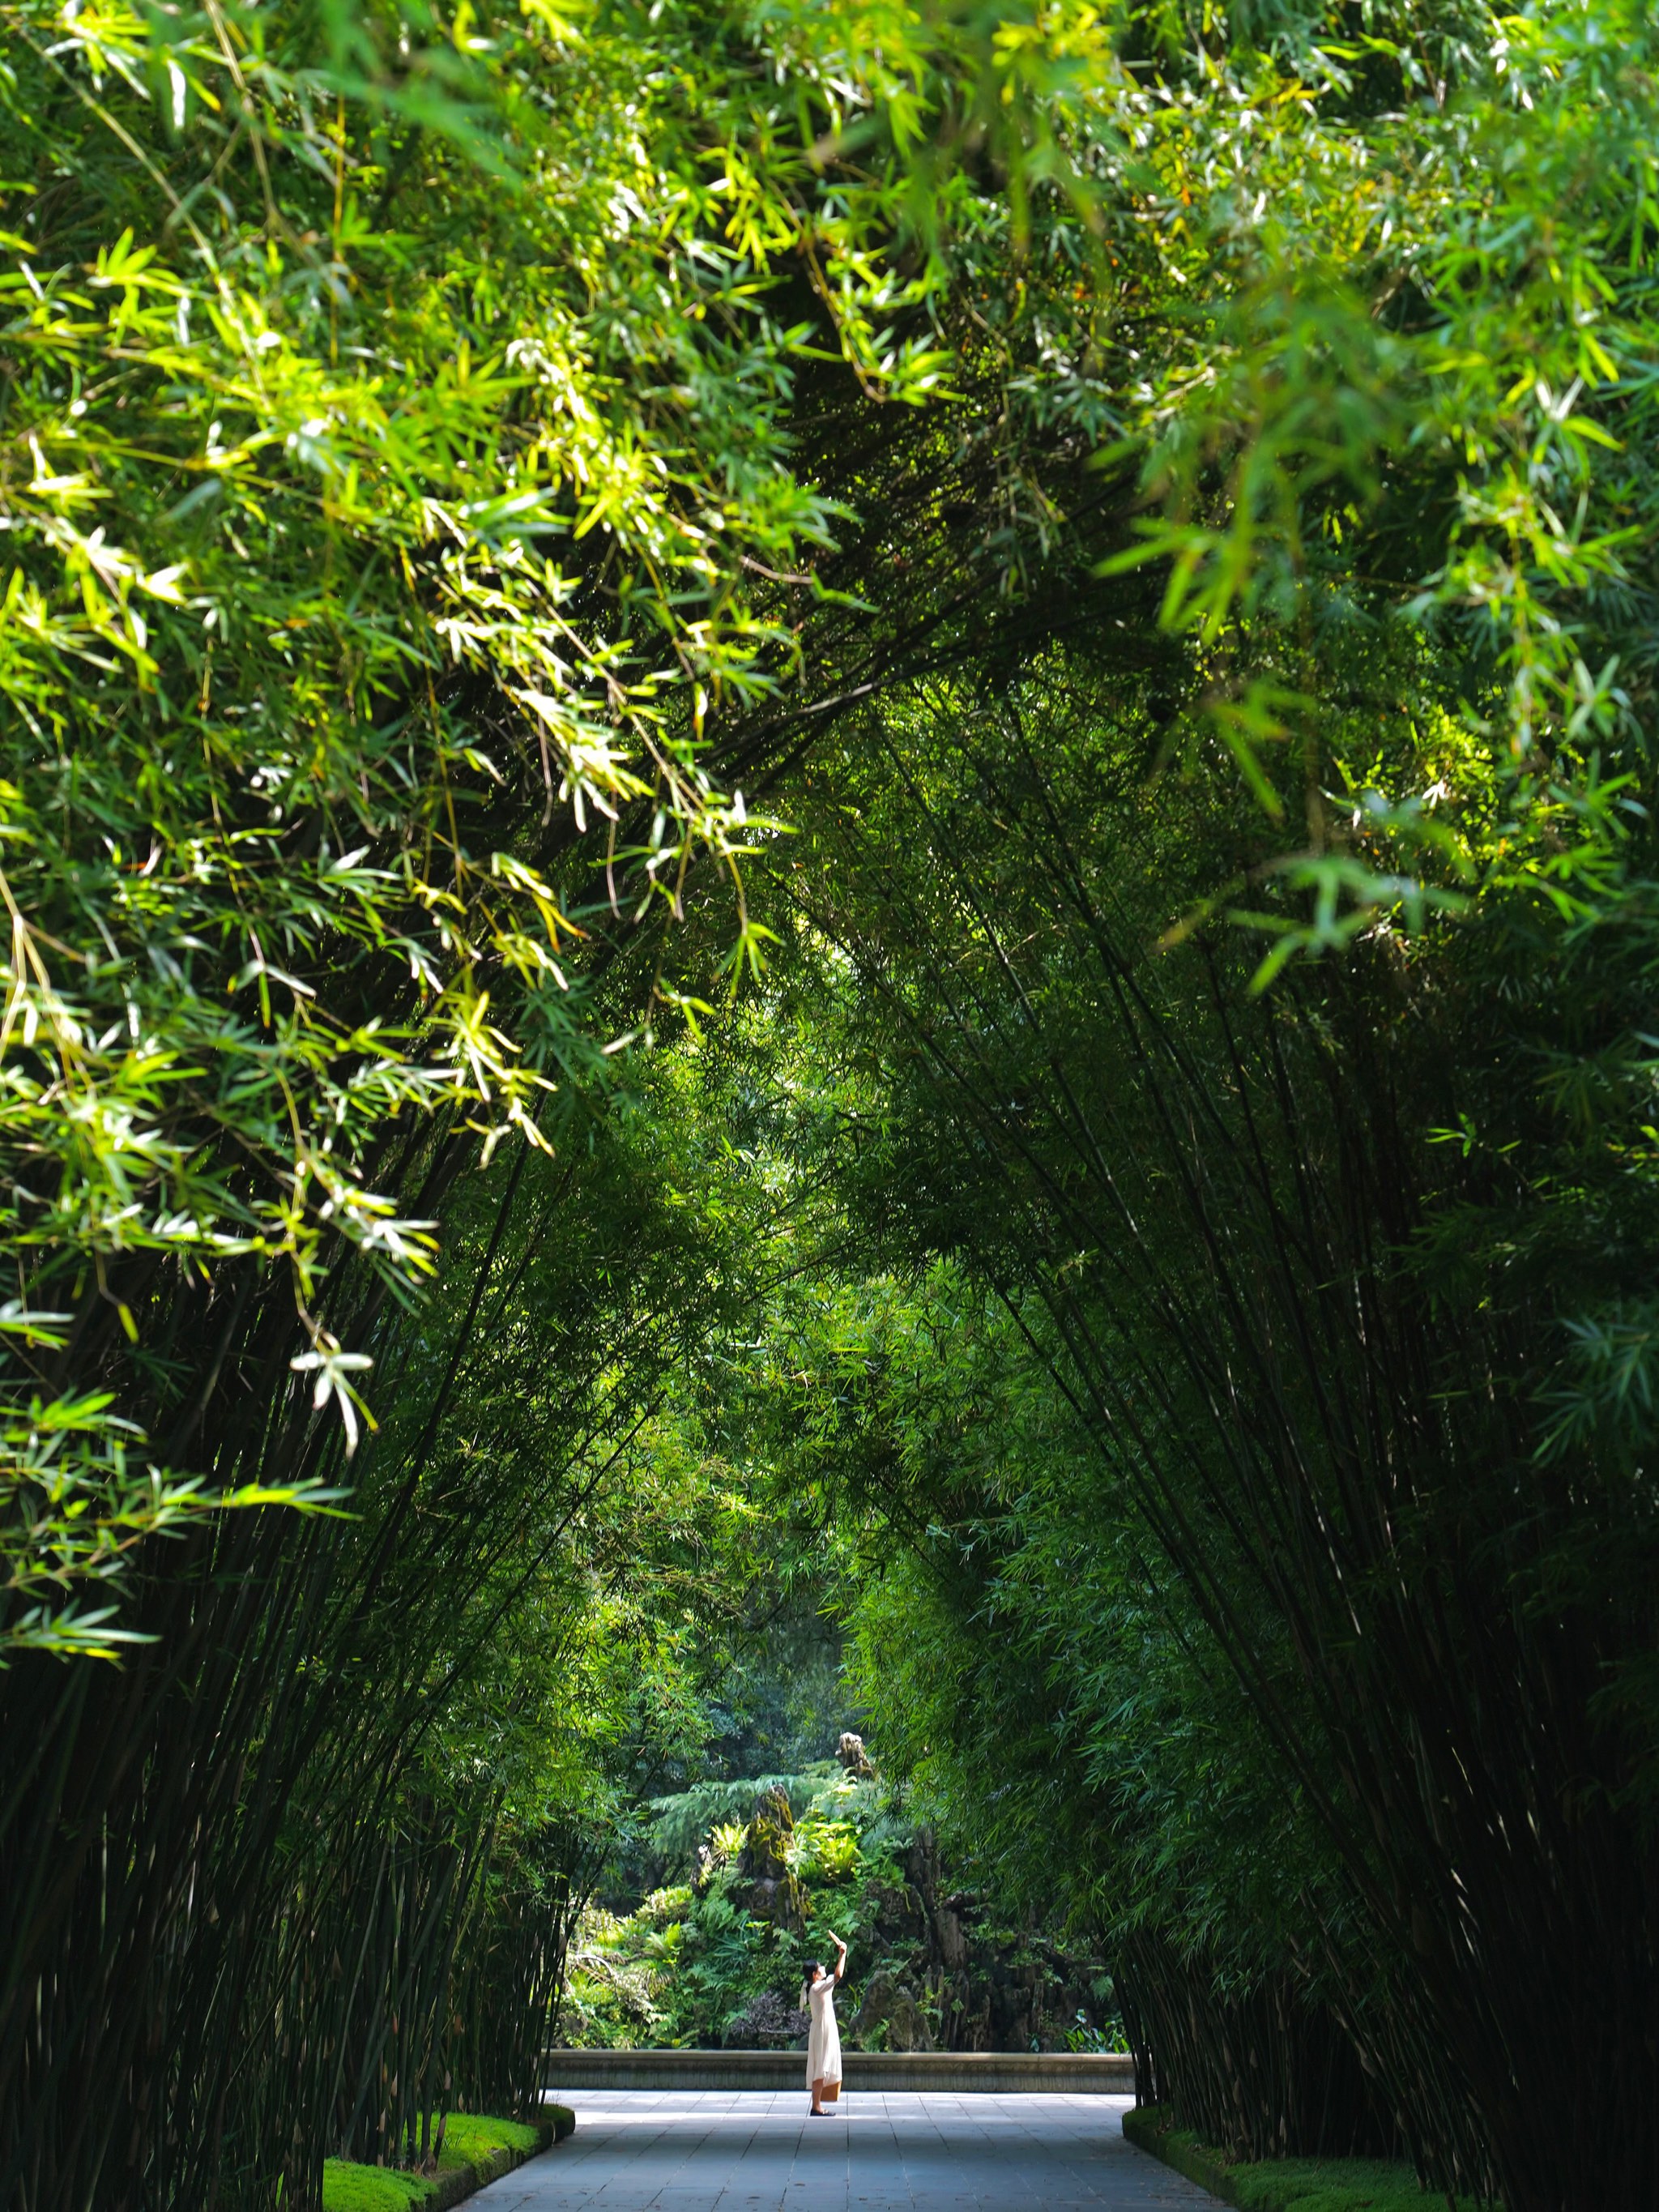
(76, 1501)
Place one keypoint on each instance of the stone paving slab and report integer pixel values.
(885, 2151)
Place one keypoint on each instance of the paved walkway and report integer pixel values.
(752, 2151)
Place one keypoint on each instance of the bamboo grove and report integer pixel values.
(827, 767)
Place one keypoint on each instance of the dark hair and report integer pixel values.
(818, 1966)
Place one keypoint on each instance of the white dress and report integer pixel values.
(823, 2044)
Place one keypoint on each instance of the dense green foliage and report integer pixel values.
(686, 1966)
(812, 808)
(779, 1864)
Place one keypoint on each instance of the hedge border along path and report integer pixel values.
(476, 2150)
(1287, 2185)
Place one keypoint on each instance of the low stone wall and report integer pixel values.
(949, 2071)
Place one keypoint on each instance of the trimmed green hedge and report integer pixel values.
(1285, 2185)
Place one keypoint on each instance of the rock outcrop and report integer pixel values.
(891, 2016)
(854, 1758)
(943, 1979)
(767, 2023)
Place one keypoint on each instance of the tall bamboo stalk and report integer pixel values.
(1216, 1199)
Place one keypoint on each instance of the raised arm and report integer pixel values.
(841, 1962)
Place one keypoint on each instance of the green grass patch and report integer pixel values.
(470, 2139)
(349, 2188)
(1289, 2185)
(1333, 2185)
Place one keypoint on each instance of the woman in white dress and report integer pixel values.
(823, 2043)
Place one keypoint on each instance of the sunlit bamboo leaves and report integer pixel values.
(396, 416)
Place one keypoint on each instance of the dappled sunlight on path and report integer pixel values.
(738, 2151)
